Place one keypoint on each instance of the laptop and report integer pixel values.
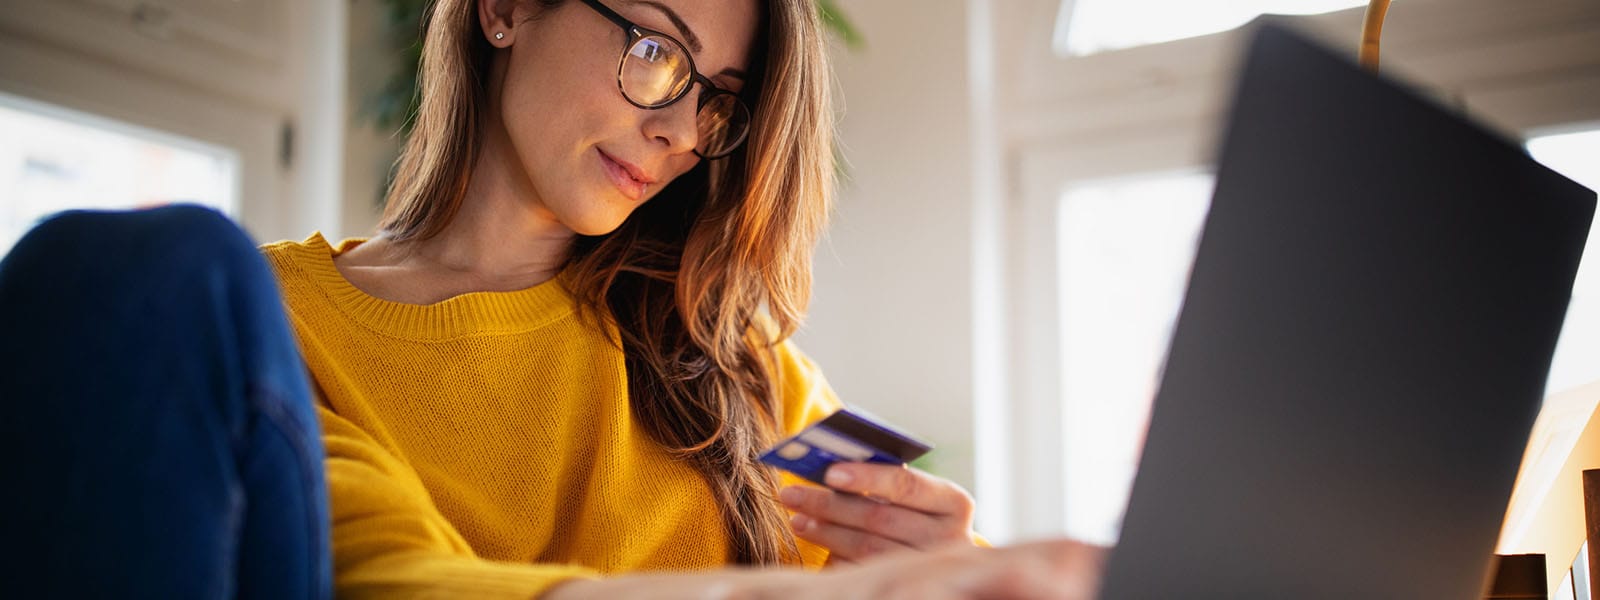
(1362, 349)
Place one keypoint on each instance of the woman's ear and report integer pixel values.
(497, 19)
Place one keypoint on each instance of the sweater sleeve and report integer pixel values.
(390, 541)
(806, 398)
(806, 395)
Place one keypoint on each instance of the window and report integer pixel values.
(1085, 27)
(1577, 359)
(53, 159)
(1126, 247)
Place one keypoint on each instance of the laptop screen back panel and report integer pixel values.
(1361, 352)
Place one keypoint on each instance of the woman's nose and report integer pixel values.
(676, 125)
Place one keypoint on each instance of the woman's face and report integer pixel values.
(584, 149)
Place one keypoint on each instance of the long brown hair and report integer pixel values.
(702, 281)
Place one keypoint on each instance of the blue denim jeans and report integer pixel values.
(157, 420)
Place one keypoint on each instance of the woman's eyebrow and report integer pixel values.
(688, 35)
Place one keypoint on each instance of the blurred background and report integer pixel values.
(1023, 186)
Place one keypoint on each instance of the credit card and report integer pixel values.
(849, 435)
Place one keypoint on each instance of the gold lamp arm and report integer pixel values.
(1371, 30)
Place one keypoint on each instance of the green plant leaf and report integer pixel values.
(836, 21)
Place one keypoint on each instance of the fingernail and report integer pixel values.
(837, 478)
(801, 523)
(790, 496)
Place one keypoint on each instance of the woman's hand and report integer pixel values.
(1047, 570)
(876, 509)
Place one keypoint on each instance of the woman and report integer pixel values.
(558, 360)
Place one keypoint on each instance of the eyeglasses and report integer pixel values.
(656, 71)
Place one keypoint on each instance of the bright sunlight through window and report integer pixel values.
(53, 159)
(1577, 359)
(1125, 247)
(1084, 27)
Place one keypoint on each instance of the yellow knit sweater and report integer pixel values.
(483, 446)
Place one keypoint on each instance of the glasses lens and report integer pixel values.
(655, 71)
(723, 122)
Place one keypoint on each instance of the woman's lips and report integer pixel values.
(630, 187)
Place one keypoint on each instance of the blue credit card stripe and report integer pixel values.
(875, 435)
(830, 441)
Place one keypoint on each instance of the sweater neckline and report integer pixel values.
(466, 314)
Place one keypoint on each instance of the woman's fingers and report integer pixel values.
(901, 485)
(1048, 570)
(837, 562)
(846, 543)
(882, 509)
(1056, 569)
(897, 523)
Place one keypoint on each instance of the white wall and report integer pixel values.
(891, 317)
(369, 151)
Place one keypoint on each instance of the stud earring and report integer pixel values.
(499, 35)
